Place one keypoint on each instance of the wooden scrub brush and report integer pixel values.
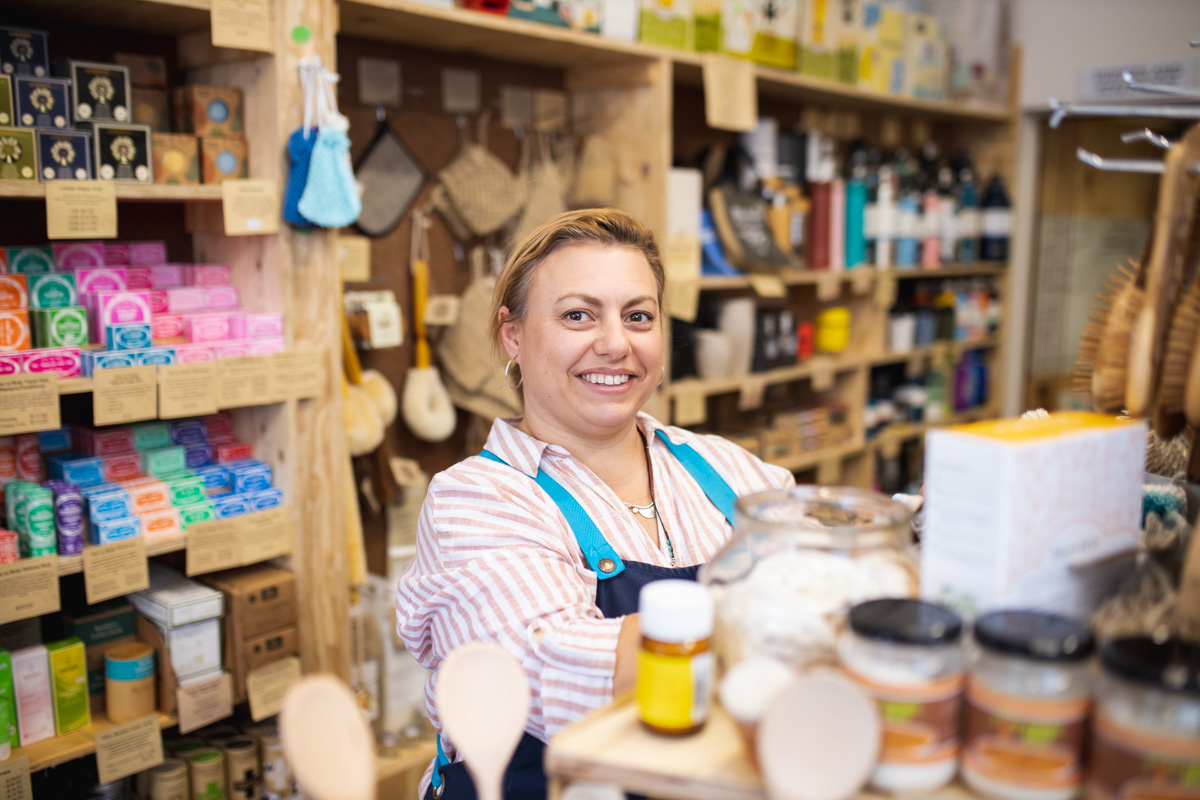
(1103, 355)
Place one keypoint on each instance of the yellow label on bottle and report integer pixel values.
(673, 691)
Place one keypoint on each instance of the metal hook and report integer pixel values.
(1062, 110)
(380, 113)
(1194, 42)
(1147, 135)
(1143, 165)
(1158, 88)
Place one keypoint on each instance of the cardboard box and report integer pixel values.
(14, 293)
(99, 92)
(176, 159)
(42, 102)
(60, 327)
(749, 32)
(68, 684)
(123, 152)
(24, 52)
(148, 72)
(882, 49)
(101, 623)
(14, 331)
(52, 290)
(245, 656)
(258, 599)
(667, 24)
(209, 110)
(152, 107)
(816, 54)
(173, 600)
(222, 158)
(7, 112)
(195, 648)
(926, 62)
(94, 657)
(1032, 515)
(18, 158)
(35, 705)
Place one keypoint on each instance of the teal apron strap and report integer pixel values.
(442, 761)
(712, 484)
(600, 556)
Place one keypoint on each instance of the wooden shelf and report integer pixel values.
(22, 190)
(58, 750)
(984, 269)
(933, 350)
(611, 746)
(790, 277)
(71, 565)
(733, 383)
(161, 17)
(460, 30)
(413, 756)
(803, 461)
(903, 431)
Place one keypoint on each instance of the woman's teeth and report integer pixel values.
(606, 380)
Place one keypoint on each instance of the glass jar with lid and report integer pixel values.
(798, 560)
(1027, 702)
(1146, 727)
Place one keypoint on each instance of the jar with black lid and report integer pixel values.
(1146, 729)
(1027, 703)
(906, 655)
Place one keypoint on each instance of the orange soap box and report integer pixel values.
(14, 293)
(14, 331)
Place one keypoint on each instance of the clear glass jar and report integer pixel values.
(798, 560)
(1146, 728)
(1027, 703)
(907, 655)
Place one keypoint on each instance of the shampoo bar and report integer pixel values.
(100, 279)
(30, 260)
(86, 471)
(231, 505)
(198, 454)
(128, 336)
(267, 346)
(185, 298)
(166, 326)
(161, 522)
(52, 290)
(116, 254)
(115, 530)
(220, 297)
(234, 349)
(108, 503)
(266, 498)
(104, 441)
(207, 275)
(193, 353)
(206, 327)
(123, 467)
(101, 359)
(167, 276)
(163, 461)
(123, 307)
(60, 327)
(185, 491)
(147, 494)
(14, 331)
(215, 477)
(151, 435)
(10, 363)
(187, 431)
(67, 362)
(151, 253)
(139, 277)
(196, 512)
(255, 325)
(250, 475)
(75, 255)
(14, 293)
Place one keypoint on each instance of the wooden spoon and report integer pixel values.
(483, 702)
(327, 740)
(819, 740)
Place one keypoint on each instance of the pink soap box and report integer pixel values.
(66, 361)
(72, 255)
(193, 353)
(206, 327)
(206, 275)
(255, 325)
(100, 279)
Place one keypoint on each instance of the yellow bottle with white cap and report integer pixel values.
(675, 666)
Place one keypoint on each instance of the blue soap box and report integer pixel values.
(65, 155)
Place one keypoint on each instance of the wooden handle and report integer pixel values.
(420, 282)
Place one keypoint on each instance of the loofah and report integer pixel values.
(330, 196)
(1162, 499)
(382, 394)
(428, 410)
(364, 429)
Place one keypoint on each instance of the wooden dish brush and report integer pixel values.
(1103, 353)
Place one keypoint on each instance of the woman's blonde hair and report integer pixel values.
(606, 227)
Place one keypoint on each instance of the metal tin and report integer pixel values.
(242, 766)
(23, 52)
(169, 780)
(65, 155)
(278, 782)
(99, 92)
(18, 156)
(208, 773)
(122, 152)
(42, 102)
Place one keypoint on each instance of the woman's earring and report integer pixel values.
(663, 377)
(508, 367)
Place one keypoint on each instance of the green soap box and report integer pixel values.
(6, 100)
(152, 436)
(30, 260)
(102, 623)
(53, 290)
(8, 703)
(60, 327)
(185, 491)
(197, 512)
(69, 682)
(163, 461)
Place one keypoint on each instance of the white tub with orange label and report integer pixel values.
(906, 654)
(1028, 699)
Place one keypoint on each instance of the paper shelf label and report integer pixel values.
(29, 403)
(187, 390)
(243, 24)
(131, 747)
(127, 394)
(266, 687)
(81, 210)
(28, 588)
(205, 702)
(115, 570)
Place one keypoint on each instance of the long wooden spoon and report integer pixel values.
(483, 702)
(327, 740)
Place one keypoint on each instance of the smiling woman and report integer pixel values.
(542, 541)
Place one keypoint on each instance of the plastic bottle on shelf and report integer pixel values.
(856, 204)
(967, 249)
(948, 218)
(995, 222)
(871, 210)
(931, 212)
(886, 213)
(908, 219)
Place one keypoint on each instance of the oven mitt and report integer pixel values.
(330, 197)
(439, 201)
(545, 195)
(391, 179)
(300, 149)
(595, 175)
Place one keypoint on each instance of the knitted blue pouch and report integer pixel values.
(300, 149)
(330, 196)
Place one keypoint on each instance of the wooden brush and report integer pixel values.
(1104, 347)
(1182, 333)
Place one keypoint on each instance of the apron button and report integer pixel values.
(607, 565)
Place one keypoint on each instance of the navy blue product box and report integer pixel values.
(24, 52)
(42, 102)
(99, 92)
(65, 155)
(122, 152)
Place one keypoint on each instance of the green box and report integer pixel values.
(151, 436)
(101, 623)
(53, 290)
(30, 260)
(18, 155)
(185, 491)
(60, 327)
(6, 108)
(163, 461)
(197, 512)
(69, 684)
(8, 703)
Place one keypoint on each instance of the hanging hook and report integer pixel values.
(1061, 111)
(1158, 88)
(1143, 165)
(1147, 135)
(380, 113)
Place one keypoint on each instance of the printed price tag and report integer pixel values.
(128, 394)
(683, 299)
(213, 545)
(205, 702)
(822, 374)
(115, 570)
(460, 91)
(14, 779)
(885, 290)
(250, 206)
(861, 279)
(354, 257)
(378, 82)
(131, 747)
(750, 395)
(681, 260)
(266, 687)
(246, 381)
(265, 534)
(829, 286)
(187, 390)
(297, 374)
(730, 93)
(81, 209)
(29, 403)
(28, 588)
(768, 285)
(243, 24)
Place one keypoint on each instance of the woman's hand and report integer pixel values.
(629, 643)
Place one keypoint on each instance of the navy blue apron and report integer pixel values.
(617, 586)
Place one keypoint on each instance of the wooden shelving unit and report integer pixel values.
(934, 350)
(158, 546)
(60, 750)
(804, 370)
(125, 191)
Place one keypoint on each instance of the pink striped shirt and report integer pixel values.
(496, 561)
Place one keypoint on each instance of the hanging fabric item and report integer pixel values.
(425, 404)
(439, 201)
(475, 380)
(482, 188)
(330, 196)
(391, 179)
(300, 147)
(596, 175)
(545, 195)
